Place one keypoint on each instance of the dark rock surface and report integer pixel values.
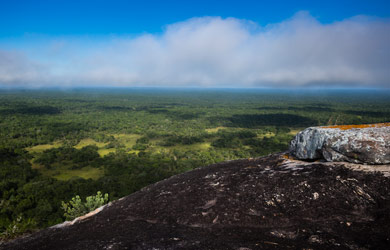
(263, 203)
(369, 144)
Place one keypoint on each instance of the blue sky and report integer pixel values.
(194, 43)
(102, 17)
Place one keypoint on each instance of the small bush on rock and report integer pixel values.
(76, 208)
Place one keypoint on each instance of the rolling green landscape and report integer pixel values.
(56, 144)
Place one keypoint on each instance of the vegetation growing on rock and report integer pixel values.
(76, 207)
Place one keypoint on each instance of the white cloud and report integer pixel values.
(16, 68)
(212, 51)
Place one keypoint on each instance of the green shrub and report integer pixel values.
(18, 227)
(76, 208)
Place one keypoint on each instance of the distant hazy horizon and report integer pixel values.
(169, 89)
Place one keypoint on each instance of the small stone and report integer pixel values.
(210, 204)
(315, 239)
(316, 196)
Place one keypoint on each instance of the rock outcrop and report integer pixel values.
(368, 144)
(271, 202)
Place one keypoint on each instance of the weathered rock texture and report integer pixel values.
(264, 203)
(369, 144)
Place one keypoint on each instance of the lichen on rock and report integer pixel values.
(368, 144)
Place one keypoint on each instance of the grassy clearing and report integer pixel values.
(128, 140)
(294, 131)
(195, 146)
(266, 135)
(102, 151)
(65, 173)
(89, 141)
(35, 165)
(86, 173)
(155, 142)
(214, 130)
(43, 147)
(192, 147)
(105, 151)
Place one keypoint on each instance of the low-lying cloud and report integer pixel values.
(214, 52)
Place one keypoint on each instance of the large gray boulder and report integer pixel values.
(368, 144)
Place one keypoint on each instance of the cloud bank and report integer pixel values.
(214, 52)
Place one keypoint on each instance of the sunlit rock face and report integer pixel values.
(368, 144)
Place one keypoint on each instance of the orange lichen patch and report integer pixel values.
(346, 127)
(287, 157)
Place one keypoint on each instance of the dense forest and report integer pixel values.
(57, 144)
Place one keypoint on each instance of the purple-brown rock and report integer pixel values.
(271, 202)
